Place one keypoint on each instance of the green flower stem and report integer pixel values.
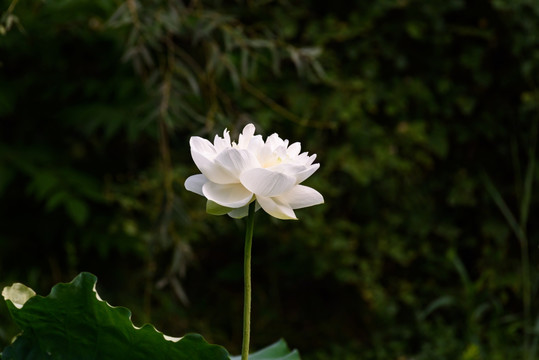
(247, 282)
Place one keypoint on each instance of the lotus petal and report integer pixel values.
(267, 183)
(222, 143)
(228, 195)
(214, 172)
(276, 208)
(294, 149)
(288, 168)
(194, 183)
(235, 161)
(246, 136)
(301, 196)
(201, 145)
(302, 176)
(255, 144)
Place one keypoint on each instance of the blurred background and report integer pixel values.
(424, 118)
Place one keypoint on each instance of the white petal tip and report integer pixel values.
(194, 183)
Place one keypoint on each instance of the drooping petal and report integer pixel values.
(236, 161)
(214, 172)
(194, 183)
(301, 196)
(228, 195)
(276, 208)
(301, 176)
(202, 146)
(265, 182)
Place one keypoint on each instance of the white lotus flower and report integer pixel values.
(269, 172)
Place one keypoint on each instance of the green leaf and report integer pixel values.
(77, 210)
(276, 351)
(42, 184)
(56, 199)
(213, 208)
(72, 322)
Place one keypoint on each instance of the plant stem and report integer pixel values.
(247, 282)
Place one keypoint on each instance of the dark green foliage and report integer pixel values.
(73, 323)
(424, 118)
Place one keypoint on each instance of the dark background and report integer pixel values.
(423, 115)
